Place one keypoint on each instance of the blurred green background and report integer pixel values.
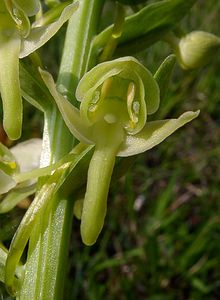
(161, 235)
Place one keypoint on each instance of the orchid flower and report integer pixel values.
(18, 39)
(116, 98)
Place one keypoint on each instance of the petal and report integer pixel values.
(154, 133)
(69, 112)
(40, 35)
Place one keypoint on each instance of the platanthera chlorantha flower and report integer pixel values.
(17, 40)
(116, 97)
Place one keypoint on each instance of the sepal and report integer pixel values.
(70, 113)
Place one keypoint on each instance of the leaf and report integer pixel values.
(154, 133)
(148, 25)
(40, 35)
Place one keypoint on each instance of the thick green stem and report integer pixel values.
(48, 247)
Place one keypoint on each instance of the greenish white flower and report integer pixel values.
(116, 98)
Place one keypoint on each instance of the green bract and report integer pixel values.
(17, 40)
(116, 97)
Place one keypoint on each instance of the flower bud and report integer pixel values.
(196, 49)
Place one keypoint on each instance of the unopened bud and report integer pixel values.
(196, 49)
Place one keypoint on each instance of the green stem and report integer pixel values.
(48, 246)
